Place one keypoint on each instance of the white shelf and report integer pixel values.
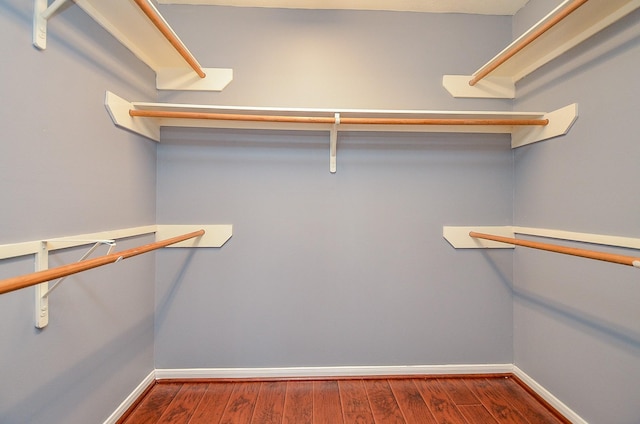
(459, 237)
(559, 121)
(585, 21)
(131, 26)
(504, 237)
(214, 236)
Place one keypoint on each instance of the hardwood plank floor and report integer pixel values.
(270, 404)
(299, 403)
(395, 400)
(355, 404)
(326, 403)
(212, 405)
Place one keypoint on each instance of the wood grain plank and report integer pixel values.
(411, 402)
(270, 403)
(477, 414)
(298, 405)
(213, 404)
(527, 405)
(183, 404)
(439, 403)
(327, 408)
(458, 391)
(384, 405)
(241, 403)
(483, 400)
(151, 408)
(497, 405)
(355, 404)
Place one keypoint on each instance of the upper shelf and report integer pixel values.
(138, 25)
(524, 127)
(566, 26)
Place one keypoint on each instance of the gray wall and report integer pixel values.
(575, 320)
(65, 170)
(344, 269)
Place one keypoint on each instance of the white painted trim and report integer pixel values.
(603, 239)
(32, 247)
(129, 400)
(16, 250)
(84, 239)
(336, 371)
(486, 7)
(567, 412)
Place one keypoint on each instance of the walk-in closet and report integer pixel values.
(331, 211)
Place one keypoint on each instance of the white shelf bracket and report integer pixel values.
(41, 14)
(216, 235)
(110, 243)
(42, 302)
(487, 88)
(185, 79)
(560, 122)
(118, 109)
(43, 290)
(333, 145)
(459, 238)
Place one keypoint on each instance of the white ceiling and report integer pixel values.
(484, 7)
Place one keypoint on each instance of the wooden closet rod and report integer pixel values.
(526, 41)
(20, 282)
(168, 33)
(332, 120)
(590, 254)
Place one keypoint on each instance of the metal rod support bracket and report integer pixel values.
(42, 302)
(43, 290)
(41, 14)
(333, 145)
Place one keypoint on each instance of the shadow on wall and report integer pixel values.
(308, 140)
(504, 276)
(614, 334)
(164, 303)
(599, 49)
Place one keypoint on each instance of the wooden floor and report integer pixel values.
(467, 400)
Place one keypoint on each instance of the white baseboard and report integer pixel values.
(343, 371)
(559, 406)
(137, 392)
(339, 371)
